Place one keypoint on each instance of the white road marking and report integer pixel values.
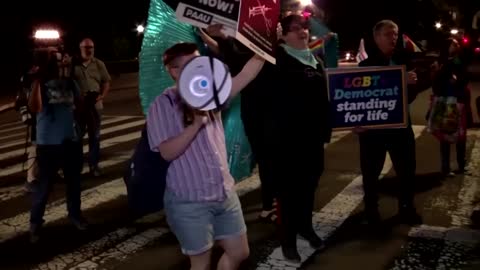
(18, 142)
(19, 224)
(17, 168)
(451, 234)
(7, 125)
(9, 130)
(109, 130)
(9, 193)
(89, 257)
(93, 254)
(466, 195)
(330, 218)
(23, 127)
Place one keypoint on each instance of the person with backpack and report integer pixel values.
(59, 146)
(201, 204)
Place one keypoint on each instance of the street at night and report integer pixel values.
(446, 240)
(240, 135)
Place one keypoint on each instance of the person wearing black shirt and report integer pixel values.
(296, 125)
(399, 143)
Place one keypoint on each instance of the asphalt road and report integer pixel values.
(446, 240)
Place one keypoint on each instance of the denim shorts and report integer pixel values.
(197, 225)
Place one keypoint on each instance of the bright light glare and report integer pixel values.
(47, 34)
(305, 2)
(454, 31)
(347, 56)
(140, 29)
(438, 25)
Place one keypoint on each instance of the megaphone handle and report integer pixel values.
(214, 85)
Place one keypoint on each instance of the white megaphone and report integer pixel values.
(205, 83)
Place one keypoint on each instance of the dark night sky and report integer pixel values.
(104, 20)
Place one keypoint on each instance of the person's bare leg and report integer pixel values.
(201, 261)
(236, 250)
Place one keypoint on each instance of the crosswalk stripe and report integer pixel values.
(17, 168)
(7, 125)
(17, 135)
(452, 234)
(329, 218)
(9, 193)
(460, 218)
(107, 121)
(9, 130)
(91, 255)
(136, 242)
(91, 198)
(19, 142)
(469, 188)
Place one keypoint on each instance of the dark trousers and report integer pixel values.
(68, 157)
(253, 131)
(297, 184)
(91, 123)
(461, 148)
(400, 144)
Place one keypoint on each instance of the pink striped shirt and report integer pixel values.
(201, 173)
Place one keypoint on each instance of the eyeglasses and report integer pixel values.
(298, 27)
(88, 47)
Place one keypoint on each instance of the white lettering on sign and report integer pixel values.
(219, 4)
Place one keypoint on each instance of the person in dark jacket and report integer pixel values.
(287, 105)
(296, 125)
(399, 143)
(450, 79)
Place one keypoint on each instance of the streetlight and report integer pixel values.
(454, 31)
(140, 29)
(438, 25)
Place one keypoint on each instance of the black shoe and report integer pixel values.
(448, 174)
(80, 223)
(462, 172)
(372, 217)
(95, 171)
(409, 216)
(313, 239)
(291, 255)
(35, 233)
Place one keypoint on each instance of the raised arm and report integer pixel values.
(248, 74)
(211, 43)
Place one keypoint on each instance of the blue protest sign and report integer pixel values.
(370, 97)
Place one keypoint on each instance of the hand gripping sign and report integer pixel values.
(205, 83)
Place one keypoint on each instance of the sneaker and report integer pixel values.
(314, 240)
(95, 171)
(409, 216)
(291, 255)
(372, 217)
(448, 174)
(80, 223)
(35, 233)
